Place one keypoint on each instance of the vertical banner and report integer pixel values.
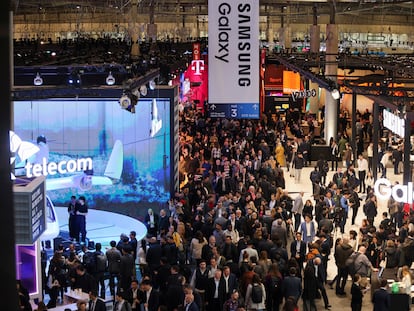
(233, 58)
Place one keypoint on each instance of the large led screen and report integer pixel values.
(118, 160)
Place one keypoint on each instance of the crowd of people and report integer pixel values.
(235, 238)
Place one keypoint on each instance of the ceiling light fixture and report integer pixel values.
(152, 85)
(335, 94)
(110, 79)
(38, 80)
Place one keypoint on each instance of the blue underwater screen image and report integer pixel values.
(130, 152)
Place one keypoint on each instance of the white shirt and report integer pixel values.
(362, 164)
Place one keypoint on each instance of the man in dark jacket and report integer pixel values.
(113, 255)
(370, 209)
(298, 250)
(342, 251)
(292, 285)
(381, 298)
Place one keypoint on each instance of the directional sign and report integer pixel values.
(234, 111)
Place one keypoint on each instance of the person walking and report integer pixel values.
(298, 164)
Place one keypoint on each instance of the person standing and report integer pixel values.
(100, 269)
(297, 209)
(72, 217)
(252, 305)
(215, 292)
(310, 289)
(96, 304)
(320, 274)
(370, 209)
(113, 255)
(370, 155)
(356, 293)
(151, 296)
(298, 250)
(308, 229)
(381, 298)
(151, 221)
(81, 213)
(335, 155)
(342, 252)
(397, 156)
(127, 266)
(362, 172)
(384, 162)
(292, 285)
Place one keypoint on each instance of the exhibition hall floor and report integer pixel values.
(105, 226)
(337, 302)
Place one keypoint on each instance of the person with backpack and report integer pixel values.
(359, 263)
(255, 295)
(273, 285)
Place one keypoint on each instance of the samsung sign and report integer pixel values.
(233, 48)
(400, 193)
(394, 123)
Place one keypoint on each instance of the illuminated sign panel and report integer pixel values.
(394, 123)
(233, 58)
(291, 82)
(400, 193)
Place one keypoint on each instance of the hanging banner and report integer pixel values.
(233, 58)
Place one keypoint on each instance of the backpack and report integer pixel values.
(350, 264)
(325, 166)
(89, 262)
(100, 260)
(275, 284)
(314, 177)
(257, 293)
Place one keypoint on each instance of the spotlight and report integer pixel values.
(152, 85)
(125, 101)
(110, 79)
(38, 80)
(335, 94)
(128, 102)
(74, 79)
(143, 90)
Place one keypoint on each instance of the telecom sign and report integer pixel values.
(233, 58)
(23, 151)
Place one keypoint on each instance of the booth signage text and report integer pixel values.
(394, 123)
(62, 167)
(303, 94)
(400, 193)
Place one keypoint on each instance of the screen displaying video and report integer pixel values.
(118, 160)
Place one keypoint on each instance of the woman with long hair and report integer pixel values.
(252, 305)
(273, 284)
(196, 246)
(310, 288)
